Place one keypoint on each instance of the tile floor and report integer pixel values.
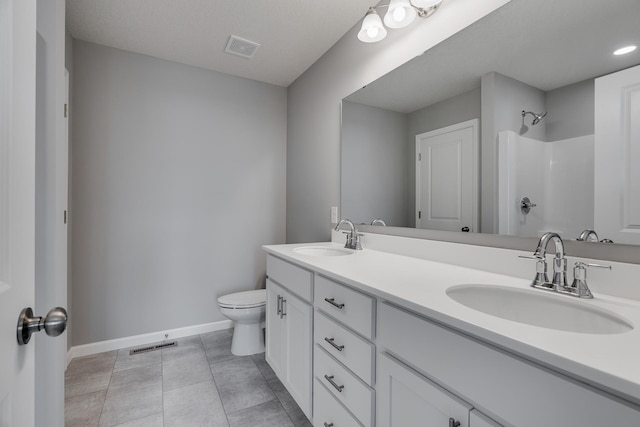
(198, 383)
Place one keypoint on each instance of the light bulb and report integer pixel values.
(399, 14)
(372, 29)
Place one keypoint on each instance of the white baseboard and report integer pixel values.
(138, 340)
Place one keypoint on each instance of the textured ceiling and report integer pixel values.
(293, 33)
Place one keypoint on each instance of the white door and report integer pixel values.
(17, 208)
(447, 178)
(617, 156)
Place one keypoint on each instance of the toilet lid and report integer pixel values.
(246, 299)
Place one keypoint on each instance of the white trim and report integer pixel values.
(144, 339)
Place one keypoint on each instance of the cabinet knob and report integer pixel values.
(453, 423)
(328, 424)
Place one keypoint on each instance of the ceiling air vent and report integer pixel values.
(241, 47)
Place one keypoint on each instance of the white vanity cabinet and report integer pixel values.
(374, 359)
(344, 356)
(289, 328)
(516, 391)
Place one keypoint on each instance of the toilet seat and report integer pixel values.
(243, 300)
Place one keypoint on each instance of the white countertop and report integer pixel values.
(608, 362)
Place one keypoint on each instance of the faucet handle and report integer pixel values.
(536, 257)
(581, 264)
(541, 279)
(579, 285)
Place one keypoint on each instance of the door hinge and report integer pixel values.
(65, 110)
(419, 214)
(65, 217)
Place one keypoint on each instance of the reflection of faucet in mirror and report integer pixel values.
(378, 221)
(588, 235)
(353, 238)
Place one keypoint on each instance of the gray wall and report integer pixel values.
(178, 179)
(313, 120)
(374, 164)
(570, 111)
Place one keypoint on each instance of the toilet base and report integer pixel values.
(247, 339)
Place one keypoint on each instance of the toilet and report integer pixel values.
(247, 311)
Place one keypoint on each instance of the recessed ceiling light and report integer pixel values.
(625, 50)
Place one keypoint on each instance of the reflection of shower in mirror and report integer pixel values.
(557, 175)
(536, 117)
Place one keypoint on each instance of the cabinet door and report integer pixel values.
(298, 337)
(405, 398)
(275, 333)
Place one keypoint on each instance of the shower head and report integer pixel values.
(536, 117)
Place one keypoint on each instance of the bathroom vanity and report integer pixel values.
(387, 336)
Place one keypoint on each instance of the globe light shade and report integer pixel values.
(372, 29)
(399, 14)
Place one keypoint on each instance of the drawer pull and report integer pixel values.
(328, 424)
(333, 383)
(333, 302)
(453, 423)
(282, 306)
(279, 306)
(333, 344)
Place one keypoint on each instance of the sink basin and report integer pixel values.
(538, 308)
(321, 251)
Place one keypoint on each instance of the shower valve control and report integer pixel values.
(526, 205)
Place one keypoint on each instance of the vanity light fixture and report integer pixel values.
(625, 50)
(400, 13)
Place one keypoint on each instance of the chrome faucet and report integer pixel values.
(559, 280)
(353, 238)
(378, 221)
(578, 287)
(588, 235)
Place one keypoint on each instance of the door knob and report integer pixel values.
(54, 324)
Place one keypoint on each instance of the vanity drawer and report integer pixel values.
(292, 277)
(354, 394)
(353, 351)
(348, 306)
(327, 411)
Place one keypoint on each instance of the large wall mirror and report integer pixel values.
(506, 128)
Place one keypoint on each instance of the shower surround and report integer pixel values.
(557, 176)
